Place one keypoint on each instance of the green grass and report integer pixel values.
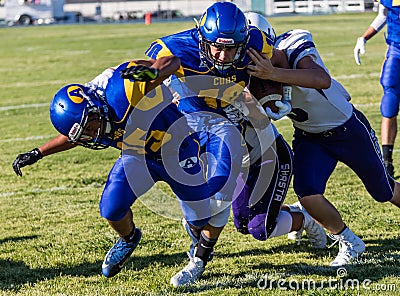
(52, 238)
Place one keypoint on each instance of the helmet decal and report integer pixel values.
(75, 94)
(203, 19)
(225, 41)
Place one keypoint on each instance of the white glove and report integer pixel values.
(359, 49)
(284, 107)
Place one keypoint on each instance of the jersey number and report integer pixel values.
(298, 115)
(212, 98)
(138, 142)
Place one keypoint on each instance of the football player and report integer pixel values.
(388, 13)
(216, 47)
(328, 129)
(258, 210)
(120, 112)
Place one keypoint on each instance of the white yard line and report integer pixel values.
(368, 105)
(33, 83)
(37, 190)
(27, 138)
(23, 106)
(356, 76)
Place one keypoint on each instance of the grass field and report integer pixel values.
(52, 238)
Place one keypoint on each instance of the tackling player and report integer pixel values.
(258, 210)
(111, 111)
(328, 129)
(388, 13)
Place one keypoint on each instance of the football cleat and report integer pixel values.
(194, 242)
(118, 255)
(350, 247)
(315, 232)
(191, 273)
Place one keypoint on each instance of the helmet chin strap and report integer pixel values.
(238, 53)
(108, 127)
(107, 118)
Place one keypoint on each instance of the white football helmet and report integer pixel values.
(259, 21)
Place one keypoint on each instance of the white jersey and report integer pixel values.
(313, 110)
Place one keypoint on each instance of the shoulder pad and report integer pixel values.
(296, 44)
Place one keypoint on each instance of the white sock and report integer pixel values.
(283, 224)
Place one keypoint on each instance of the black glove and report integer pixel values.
(25, 159)
(139, 73)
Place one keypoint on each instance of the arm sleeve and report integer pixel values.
(380, 20)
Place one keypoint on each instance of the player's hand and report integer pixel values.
(25, 159)
(359, 49)
(139, 73)
(284, 107)
(262, 67)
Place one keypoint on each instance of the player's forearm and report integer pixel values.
(369, 33)
(307, 73)
(147, 63)
(166, 66)
(311, 78)
(55, 145)
(377, 24)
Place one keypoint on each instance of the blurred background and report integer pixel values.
(37, 12)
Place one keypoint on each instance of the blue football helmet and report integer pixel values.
(74, 108)
(223, 25)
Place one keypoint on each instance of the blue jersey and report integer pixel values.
(393, 20)
(142, 123)
(185, 45)
(157, 146)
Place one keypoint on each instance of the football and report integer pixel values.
(261, 89)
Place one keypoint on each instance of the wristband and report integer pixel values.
(287, 92)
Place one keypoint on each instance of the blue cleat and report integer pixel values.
(118, 255)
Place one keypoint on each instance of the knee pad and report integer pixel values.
(390, 102)
(116, 200)
(256, 227)
(112, 213)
